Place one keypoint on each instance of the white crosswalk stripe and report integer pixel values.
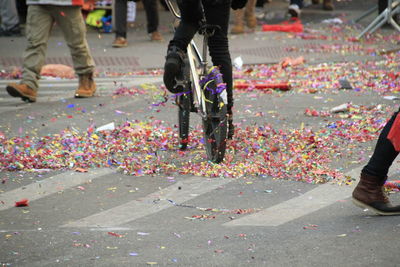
(56, 89)
(180, 192)
(313, 200)
(50, 186)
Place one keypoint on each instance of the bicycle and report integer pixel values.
(204, 93)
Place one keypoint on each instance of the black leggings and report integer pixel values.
(384, 153)
(217, 14)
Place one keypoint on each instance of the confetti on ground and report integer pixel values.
(147, 148)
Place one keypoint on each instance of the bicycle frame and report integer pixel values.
(194, 54)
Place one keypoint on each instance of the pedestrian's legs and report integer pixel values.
(9, 15)
(238, 26)
(121, 10)
(73, 27)
(384, 153)
(22, 9)
(38, 28)
(369, 192)
(151, 9)
(249, 14)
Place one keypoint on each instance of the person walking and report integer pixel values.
(216, 12)
(369, 190)
(40, 19)
(121, 9)
(246, 14)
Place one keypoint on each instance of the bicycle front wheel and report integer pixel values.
(183, 120)
(215, 119)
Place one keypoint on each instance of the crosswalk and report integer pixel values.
(181, 191)
(52, 90)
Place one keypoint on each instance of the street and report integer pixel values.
(126, 195)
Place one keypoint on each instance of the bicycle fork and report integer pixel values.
(191, 53)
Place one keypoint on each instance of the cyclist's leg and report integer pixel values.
(218, 14)
(190, 17)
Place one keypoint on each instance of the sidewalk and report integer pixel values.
(317, 44)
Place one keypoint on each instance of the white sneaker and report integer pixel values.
(294, 11)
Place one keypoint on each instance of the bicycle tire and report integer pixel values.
(184, 120)
(184, 107)
(215, 121)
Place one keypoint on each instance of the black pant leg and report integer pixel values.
(384, 153)
(121, 10)
(190, 17)
(218, 43)
(151, 9)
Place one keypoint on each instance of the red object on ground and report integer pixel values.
(58, 70)
(22, 203)
(284, 86)
(293, 25)
(288, 61)
(394, 133)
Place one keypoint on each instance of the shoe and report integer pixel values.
(315, 2)
(23, 91)
(156, 36)
(251, 22)
(13, 32)
(173, 69)
(369, 194)
(87, 86)
(294, 11)
(327, 5)
(237, 29)
(120, 42)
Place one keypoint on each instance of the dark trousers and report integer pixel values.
(218, 14)
(121, 9)
(297, 2)
(384, 153)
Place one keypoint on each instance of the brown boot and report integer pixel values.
(327, 5)
(23, 91)
(156, 36)
(249, 14)
(238, 27)
(369, 194)
(251, 22)
(87, 87)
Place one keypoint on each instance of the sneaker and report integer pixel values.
(120, 42)
(173, 69)
(294, 11)
(23, 91)
(156, 36)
